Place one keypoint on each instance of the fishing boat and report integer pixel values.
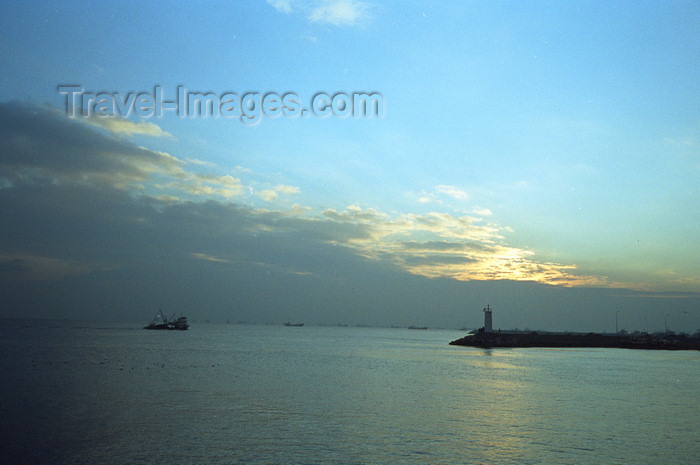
(160, 321)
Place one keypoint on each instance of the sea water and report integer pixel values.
(90, 394)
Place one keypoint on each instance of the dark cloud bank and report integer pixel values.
(81, 237)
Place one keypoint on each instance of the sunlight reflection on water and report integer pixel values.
(248, 394)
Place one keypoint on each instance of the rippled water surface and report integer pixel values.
(83, 394)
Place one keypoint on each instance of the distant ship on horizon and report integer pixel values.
(287, 323)
(160, 321)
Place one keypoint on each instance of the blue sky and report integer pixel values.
(548, 143)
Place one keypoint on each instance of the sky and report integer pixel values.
(540, 157)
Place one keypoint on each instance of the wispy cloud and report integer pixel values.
(208, 258)
(482, 211)
(282, 6)
(452, 191)
(120, 126)
(331, 12)
(444, 194)
(195, 161)
(339, 12)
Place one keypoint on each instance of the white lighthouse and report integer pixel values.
(488, 322)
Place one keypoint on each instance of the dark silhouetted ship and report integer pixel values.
(160, 321)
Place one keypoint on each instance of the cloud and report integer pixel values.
(41, 146)
(482, 211)
(29, 267)
(443, 194)
(208, 258)
(271, 195)
(339, 12)
(203, 185)
(122, 126)
(441, 245)
(195, 161)
(355, 213)
(44, 153)
(268, 195)
(93, 226)
(452, 191)
(285, 189)
(282, 6)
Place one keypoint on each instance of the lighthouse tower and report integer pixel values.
(488, 323)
